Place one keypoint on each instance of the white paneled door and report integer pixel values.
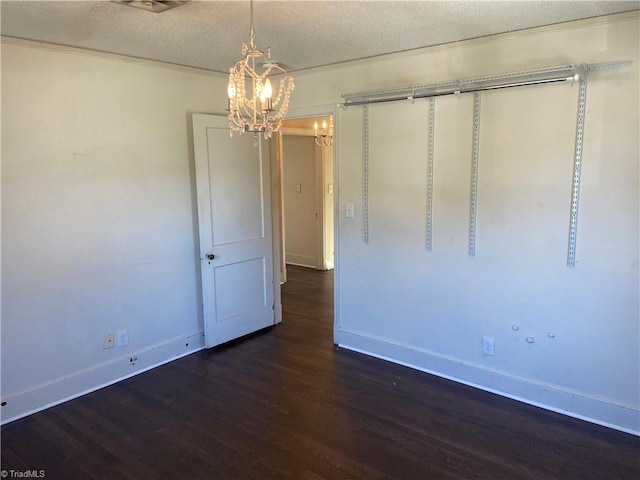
(234, 215)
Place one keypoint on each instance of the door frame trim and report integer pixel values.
(276, 181)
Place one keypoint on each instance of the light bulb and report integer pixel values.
(231, 89)
(324, 124)
(266, 91)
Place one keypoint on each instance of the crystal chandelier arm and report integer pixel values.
(267, 72)
(280, 91)
(286, 86)
(251, 108)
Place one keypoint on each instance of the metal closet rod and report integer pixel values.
(563, 73)
(458, 91)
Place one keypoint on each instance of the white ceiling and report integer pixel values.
(301, 34)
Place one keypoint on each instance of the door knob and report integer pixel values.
(211, 256)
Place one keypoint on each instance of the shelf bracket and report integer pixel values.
(365, 173)
(429, 219)
(583, 74)
(473, 197)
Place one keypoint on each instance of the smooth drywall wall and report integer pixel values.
(431, 309)
(300, 206)
(99, 224)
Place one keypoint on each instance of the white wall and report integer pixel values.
(430, 309)
(99, 226)
(99, 230)
(300, 208)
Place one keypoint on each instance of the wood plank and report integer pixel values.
(286, 403)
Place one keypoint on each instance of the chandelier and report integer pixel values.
(252, 107)
(324, 138)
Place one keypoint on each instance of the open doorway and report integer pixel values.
(306, 162)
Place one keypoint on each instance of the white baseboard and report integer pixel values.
(620, 417)
(96, 377)
(301, 260)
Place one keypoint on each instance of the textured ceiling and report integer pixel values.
(209, 34)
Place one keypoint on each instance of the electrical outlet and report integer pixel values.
(133, 360)
(122, 338)
(108, 340)
(488, 346)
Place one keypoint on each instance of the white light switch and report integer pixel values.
(298, 188)
(122, 338)
(350, 210)
(330, 188)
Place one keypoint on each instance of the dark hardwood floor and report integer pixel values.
(287, 404)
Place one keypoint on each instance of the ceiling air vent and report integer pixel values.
(156, 6)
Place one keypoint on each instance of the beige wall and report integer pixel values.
(300, 207)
